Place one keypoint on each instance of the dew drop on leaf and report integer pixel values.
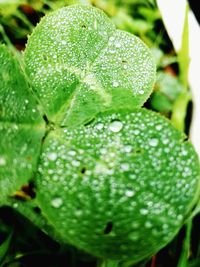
(153, 142)
(56, 202)
(115, 84)
(141, 92)
(2, 161)
(116, 126)
(52, 156)
(129, 193)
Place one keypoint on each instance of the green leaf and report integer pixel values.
(4, 247)
(119, 187)
(16, 101)
(21, 128)
(79, 64)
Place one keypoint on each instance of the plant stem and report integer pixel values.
(107, 263)
(179, 110)
(186, 246)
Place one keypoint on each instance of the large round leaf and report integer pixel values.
(119, 187)
(79, 64)
(21, 128)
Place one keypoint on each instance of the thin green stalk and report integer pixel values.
(24, 19)
(180, 106)
(7, 40)
(179, 110)
(183, 261)
(183, 54)
(4, 247)
(108, 263)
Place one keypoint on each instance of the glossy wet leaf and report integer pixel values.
(79, 64)
(119, 187)
(21, 127)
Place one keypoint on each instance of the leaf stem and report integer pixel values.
(107, 263)
(186, 246)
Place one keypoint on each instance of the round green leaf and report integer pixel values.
(79, 64)
(21, 128)
(119, 187)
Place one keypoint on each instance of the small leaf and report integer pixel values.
(79, 64)
(119, 187)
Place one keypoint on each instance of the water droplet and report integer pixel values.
(117, 44)
(155, 232)
(144, 211)
(99, 126)
(128, 148)
(135, 225)
(15, 205)
(2, 161)
(180, 217)
(78, 213)
(95, 24)
(129, 193)
(165, 141)
(136, 132)
(63, 42)
(125, 166)
(115, 84)
(72, 153)
(134, 236)
(52, 156)
(158, 127)
(165, 226)
(26, 101)
(153, 142)
(75, 163)
(115, 126)
(148, 224)
(184, 153)
(141, 92)
(56, 202)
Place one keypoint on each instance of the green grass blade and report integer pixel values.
(183, 54)
(4, 247)
(180, 106)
